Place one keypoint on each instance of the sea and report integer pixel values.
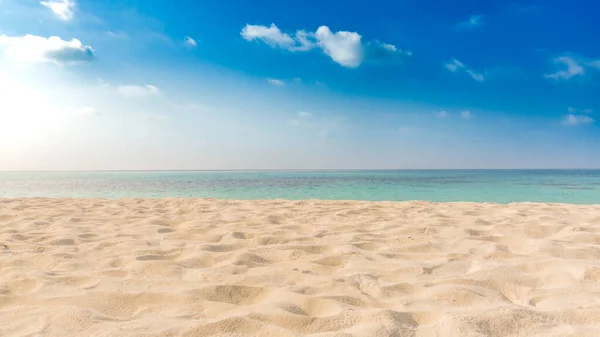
(498, 186)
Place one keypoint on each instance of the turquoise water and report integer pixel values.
(502, 186)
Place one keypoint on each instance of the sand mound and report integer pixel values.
(185, 267)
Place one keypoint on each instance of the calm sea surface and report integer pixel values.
(502, 186)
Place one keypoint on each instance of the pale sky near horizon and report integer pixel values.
(109, 85)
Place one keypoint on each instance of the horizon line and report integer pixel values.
(312, 170)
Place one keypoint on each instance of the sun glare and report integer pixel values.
(26, 117)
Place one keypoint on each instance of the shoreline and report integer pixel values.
(283, 200)
(204, 267)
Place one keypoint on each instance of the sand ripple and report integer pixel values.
(185, 267)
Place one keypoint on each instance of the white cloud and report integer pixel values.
(137, 90)
(304, 114)
(571, 109)
(270, 35)
(442, 114)
(190, 42)
(34, 48)
(572, 119)
(276, 82)
(63, 9)
(466, 114)
(588, 111)
(344, 48)
(472, 22)
(388, 46)
(455, 65)
(570, 67)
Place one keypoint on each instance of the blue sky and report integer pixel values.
(265, 85)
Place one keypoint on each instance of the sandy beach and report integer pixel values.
(194, 267)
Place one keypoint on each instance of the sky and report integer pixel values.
(183, 85)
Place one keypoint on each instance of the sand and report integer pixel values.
(186, 267)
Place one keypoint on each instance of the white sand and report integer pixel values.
(184, 267)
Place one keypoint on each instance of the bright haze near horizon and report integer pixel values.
(148, 84)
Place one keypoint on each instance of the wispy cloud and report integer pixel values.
(577, 117)
(464, 114)
(472, 22)
(276, 82)
(475, 75)
(63, 9)
(118, 34)
(388, 46)
(573, 110)
(34, 48)
(380, 51)
(594, 63)
(568, 67)
(190, 42)
(270, 35)
(456, 66)
(573, 120)
(343, 47)
(301, 118)
(137, 90)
